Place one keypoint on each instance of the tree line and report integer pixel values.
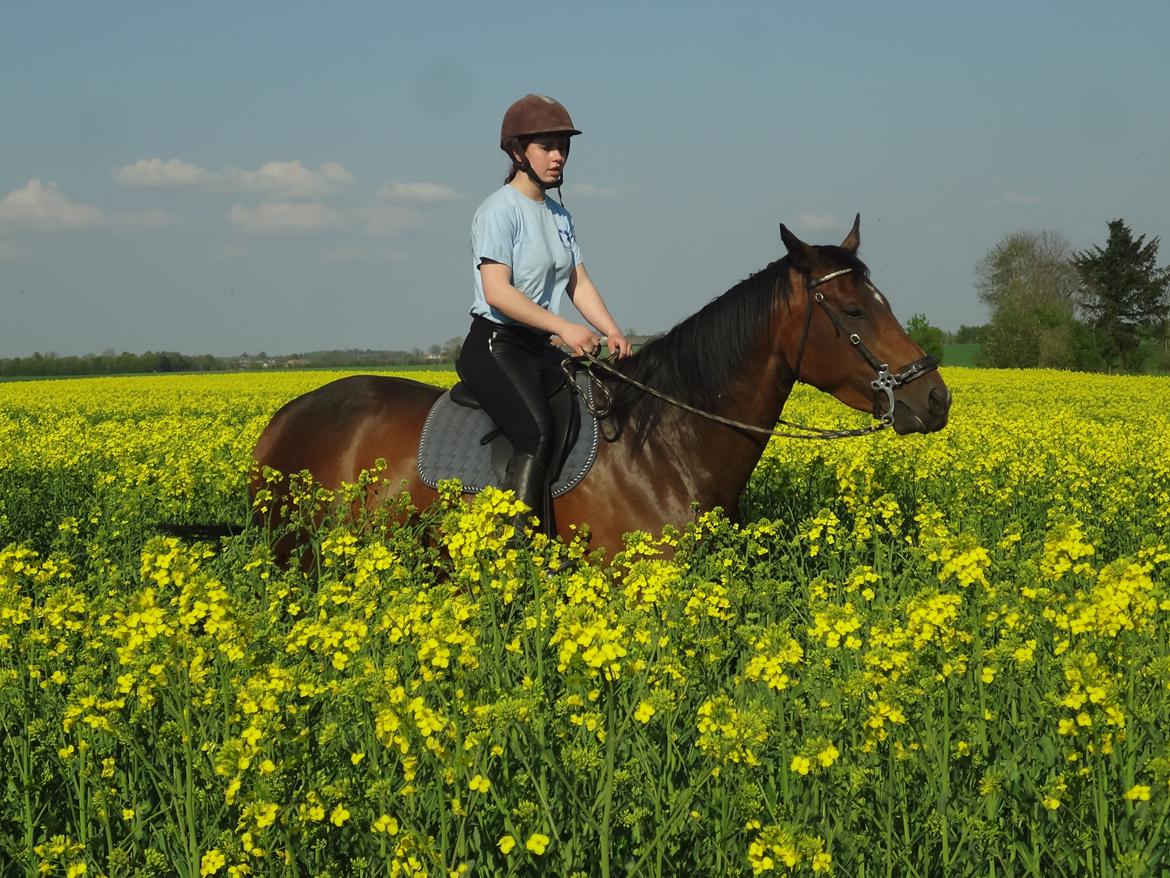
(1104, 308)
(50, 365)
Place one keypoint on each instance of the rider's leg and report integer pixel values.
(511, 372)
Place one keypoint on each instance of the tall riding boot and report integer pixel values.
(526, 476)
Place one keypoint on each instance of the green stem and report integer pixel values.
(607, 801)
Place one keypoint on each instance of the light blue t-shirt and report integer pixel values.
(535, 239)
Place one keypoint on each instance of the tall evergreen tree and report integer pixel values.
(1124, 293)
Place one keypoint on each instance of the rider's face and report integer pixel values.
(547, 154)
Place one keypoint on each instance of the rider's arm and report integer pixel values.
(588, 301)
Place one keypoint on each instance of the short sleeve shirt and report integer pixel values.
(535, 239)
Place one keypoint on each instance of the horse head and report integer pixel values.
(848, 342)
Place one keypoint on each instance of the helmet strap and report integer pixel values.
(526, 167)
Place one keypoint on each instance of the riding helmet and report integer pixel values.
(535, 114)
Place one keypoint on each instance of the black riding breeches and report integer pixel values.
(512, 371)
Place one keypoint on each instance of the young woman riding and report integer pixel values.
(526, 257)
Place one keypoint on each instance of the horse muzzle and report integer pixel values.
(928, 416)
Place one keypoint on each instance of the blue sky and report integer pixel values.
(287, 177)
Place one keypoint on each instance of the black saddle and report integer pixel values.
(460, 441)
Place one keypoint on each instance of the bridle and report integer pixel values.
(886, 382)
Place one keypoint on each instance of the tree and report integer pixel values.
(970, 334)
(1124, 293)
(1031, 286)
(1042, 335)
(1028, 266)
(929, 338)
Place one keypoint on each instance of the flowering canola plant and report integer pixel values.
(944, 654)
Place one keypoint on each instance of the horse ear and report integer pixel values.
(800, 254)
(853, 239)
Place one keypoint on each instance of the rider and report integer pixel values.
(525, 256)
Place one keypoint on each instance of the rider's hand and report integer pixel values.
(580, 339)
(618, 346)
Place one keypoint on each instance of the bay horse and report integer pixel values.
(812, 315)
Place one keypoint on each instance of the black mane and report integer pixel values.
(696, 360)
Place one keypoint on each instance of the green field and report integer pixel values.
(927, 655)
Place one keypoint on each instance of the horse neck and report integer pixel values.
(715, 459)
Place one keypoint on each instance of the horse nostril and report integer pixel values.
(938, 403)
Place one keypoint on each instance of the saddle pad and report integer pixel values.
(450, 447)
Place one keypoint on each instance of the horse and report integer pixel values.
(812, 315)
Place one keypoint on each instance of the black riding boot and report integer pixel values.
(526, 476)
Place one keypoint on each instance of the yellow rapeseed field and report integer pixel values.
(929, 655)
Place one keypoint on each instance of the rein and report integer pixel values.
(883, 385)
(809, 432)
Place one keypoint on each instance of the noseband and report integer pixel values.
(886, 381)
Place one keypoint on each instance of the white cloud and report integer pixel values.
(817, 222)
(1014, 199)
(290, 179)
(156, 173)
(46, 208)
(276, 179)
(417, 193)
(284, 218)
(588, 190)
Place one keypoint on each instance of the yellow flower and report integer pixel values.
(339, 815)
(644, 712)
(822, 862)
(505, 844)
(76, 870)
(480, 784)
(355, 758)
(828, 756)
(386, 824)
(265, 815)
(212, 862)
(801, 764)
(537, 843)
(1138, 793)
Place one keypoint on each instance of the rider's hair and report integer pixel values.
(515, 145)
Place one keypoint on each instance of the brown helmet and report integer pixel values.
(535, 114)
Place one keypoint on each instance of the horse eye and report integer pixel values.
(854, 313)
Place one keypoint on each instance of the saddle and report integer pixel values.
(460, 441)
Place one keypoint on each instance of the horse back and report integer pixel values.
(345, 426)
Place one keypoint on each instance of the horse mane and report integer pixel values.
(697, 359)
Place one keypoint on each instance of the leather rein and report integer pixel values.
(883, 385)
